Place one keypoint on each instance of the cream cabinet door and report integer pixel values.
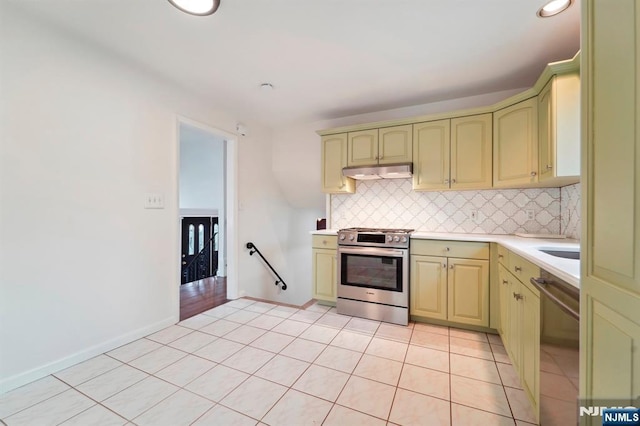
(325, 278)
(513, 332)
(546, 131)
(395, 145)
(503, 281)
(334, 158)
(468, 288)
(530, 344)
(559, 130)
(363, 148)
(471, 142)
(431, 143)
(610, 264)
(515, 145)
(428, 287)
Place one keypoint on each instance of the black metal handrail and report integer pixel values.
(197, 256)
(254, 249)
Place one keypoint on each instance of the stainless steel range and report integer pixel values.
(373, 274)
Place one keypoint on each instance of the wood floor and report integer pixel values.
(202, 295)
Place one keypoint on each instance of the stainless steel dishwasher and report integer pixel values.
(559, 350)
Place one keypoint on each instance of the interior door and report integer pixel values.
(197, 248)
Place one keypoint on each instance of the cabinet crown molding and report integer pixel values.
(554, 68)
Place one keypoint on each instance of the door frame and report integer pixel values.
(231, 207)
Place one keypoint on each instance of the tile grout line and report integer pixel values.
(450, 384)
(371, 336)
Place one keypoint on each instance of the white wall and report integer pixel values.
(83, 267)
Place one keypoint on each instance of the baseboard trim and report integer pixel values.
(34, 374)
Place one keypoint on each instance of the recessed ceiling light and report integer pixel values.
(197, 7)
(266, 87)
(553, 8)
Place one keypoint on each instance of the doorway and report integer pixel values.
(207, 194)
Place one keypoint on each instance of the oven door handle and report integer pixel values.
(541, 284)
(372, 251)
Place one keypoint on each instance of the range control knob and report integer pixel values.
(396, 238)
(389, 238)
(342, 236)
(403, 239)
(352, 237)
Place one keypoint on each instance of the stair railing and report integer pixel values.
(200, 253)
(253, 249)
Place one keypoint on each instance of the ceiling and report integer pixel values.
(330, 58)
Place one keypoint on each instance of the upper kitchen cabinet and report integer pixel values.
(528, 140)
(515, 145)
(395, 145)
(334, 159)
(363, 148)
(471, 139)
(559, 130)
(431, 143)
(380, 146)
(452, 154)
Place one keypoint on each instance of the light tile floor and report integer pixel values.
(248, 363)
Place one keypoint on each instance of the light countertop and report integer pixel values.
(565, 269)
(325, 232)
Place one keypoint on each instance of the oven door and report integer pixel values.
(378, 275)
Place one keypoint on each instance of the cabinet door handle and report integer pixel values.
(517, 296)
(453, 181)
(517, 269)
(444, 265)
(549, 167)
(505, 282)
(450, 266)
(533, 174)
(500, 256)
(381, 157)
(447, 249)
(446, 181)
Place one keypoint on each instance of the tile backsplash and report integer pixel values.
(570, 210)
(393, 203)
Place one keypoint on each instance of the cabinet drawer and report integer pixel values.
(461, 249)
(325, 241)
(522, 268)
(503, 256)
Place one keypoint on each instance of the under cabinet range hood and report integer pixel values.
(386, 171)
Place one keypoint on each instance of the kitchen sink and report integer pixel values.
(566, 254)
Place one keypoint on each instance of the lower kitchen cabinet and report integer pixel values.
(428, 287)
(325, 271)
(530, 344)
(503, 328)
(468, 285)
(520, 329)
(450, 288)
